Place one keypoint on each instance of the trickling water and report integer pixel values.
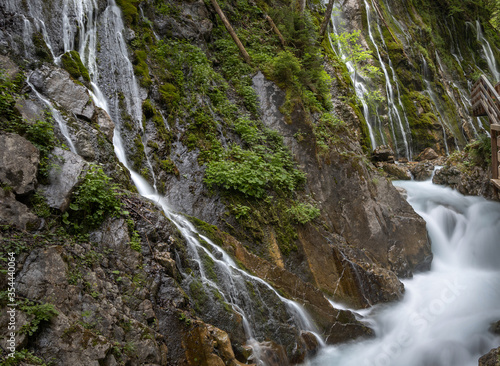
(444, 317)
(488, 53)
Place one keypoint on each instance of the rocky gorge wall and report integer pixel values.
(103, 275)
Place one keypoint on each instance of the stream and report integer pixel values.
(445, 314)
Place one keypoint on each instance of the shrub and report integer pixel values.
(41, 313)
(302, 213)
(94, 200)
(285, 67)
(169, 94)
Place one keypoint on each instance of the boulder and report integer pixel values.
(106, 124)
(422, 171)
(427, 154)
(83, 144)
(383, 153)
(492, 358)
(57, 84)
(65, 174)
(397, 171)
(18, 163)
(15, 213)
(210, 344)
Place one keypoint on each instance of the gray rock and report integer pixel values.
(422, 171)
(18, 163)
(43, 274)
(105, 123)
(8, 66)
(57, 84)
(29, 110)
(65, 174)
(383, 153)
(15, 213)
(83, 144)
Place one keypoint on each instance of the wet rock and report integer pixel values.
(492, 358)
(15, 213)
(18, 163)
(311, 342)
(449, 175)
(57, 84)
(383, 153)
(65, 174)
(427, 154)
(422, 171)
(397, 171)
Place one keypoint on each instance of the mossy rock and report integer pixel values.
(72, 63)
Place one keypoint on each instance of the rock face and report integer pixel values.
(357, 203)
(56, 84)
(18, 163)
(64, 176)
(15, 213)
(427, 154)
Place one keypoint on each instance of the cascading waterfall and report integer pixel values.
(359, 86)
(398, 129)
(444, 317)
(231, 281)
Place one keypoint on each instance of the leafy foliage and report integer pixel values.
(302, 213)
(267, 164)
(94, 200)
(40, 312)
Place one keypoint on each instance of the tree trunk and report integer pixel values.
(231, 31)
(276, 30)
(326, 21)
(302, 6)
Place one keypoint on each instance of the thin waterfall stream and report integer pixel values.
(445, 314)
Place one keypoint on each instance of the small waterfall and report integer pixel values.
(445, 314)
(359, 85)
(488, 53)
(231, 281)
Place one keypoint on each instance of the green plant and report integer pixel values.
(94, 200)
(39, 312)
(302, 213)
(23, 357)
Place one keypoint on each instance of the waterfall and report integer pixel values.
(488, 53)
(360, 87)
(394, 113)
(444, 317)
(231, 282)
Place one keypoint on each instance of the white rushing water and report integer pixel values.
(445, 314)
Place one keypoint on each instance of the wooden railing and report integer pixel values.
(485, 101)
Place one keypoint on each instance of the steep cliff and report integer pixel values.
(169, 203)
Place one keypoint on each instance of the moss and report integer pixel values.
(169, 94)
(198, 295)
(41, 48)
(169, 167)
(139, 155)
(141, 68)
(129, 10)
(72, 63)
(211, 231)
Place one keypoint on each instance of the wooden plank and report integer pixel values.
(495, 127)
(496, 183)
(494, 154)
